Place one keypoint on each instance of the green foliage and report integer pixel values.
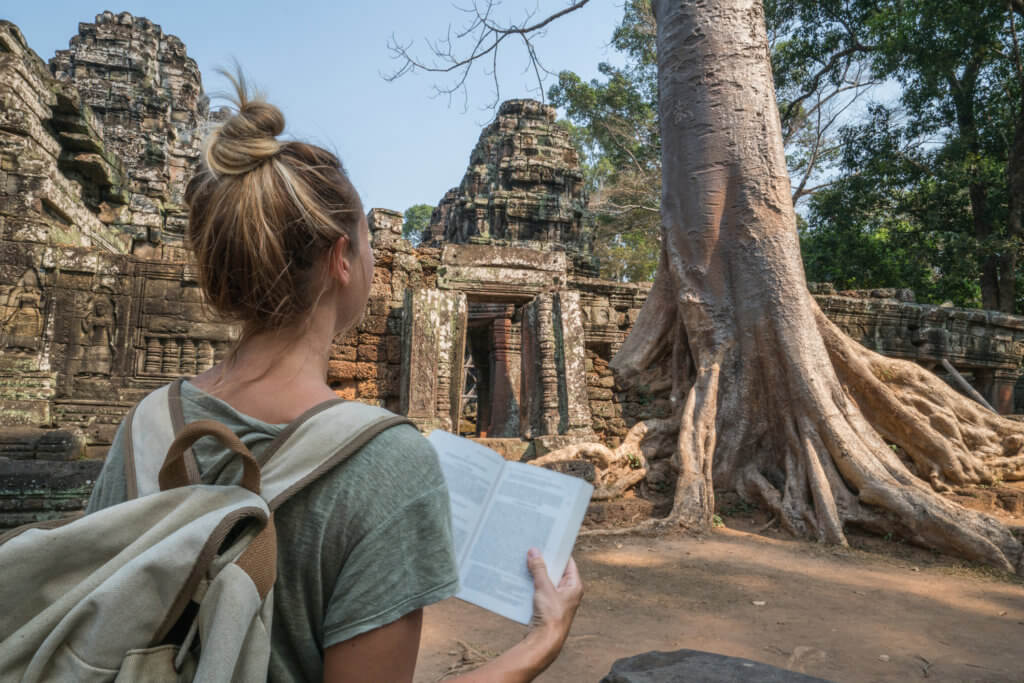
(920, 195)
(614, 125)
(417, 220)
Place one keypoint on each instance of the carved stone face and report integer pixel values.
(101, 308)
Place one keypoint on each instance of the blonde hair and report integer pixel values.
(264, 214)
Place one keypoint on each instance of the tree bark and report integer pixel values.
(771, 399)
(1015, 220)
(994, 279)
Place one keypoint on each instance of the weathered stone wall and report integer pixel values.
(366, 363)
(43, 475)
(987, 347)
(55, 172)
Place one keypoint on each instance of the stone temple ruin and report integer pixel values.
(513, 330)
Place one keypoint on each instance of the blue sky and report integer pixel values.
(321, 63)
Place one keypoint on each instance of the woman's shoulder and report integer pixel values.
(399, 458)
(395, 475)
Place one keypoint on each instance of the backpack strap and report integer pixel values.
(318, 441)
(157, 419)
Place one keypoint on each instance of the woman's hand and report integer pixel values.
(553, 610)
(554, 607)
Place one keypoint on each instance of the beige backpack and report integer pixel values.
(176, 583)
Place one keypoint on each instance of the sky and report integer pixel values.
(322, 62)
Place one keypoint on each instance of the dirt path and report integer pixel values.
(843, 615)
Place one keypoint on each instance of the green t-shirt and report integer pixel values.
(367, 543)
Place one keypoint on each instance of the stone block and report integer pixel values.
(374, 324)
(380, 306)
(368, 339)
(346, 389)
(695, 665)
(27, 413)
(368, 389)
(42, 444)
(368, 352)
(338, 370)
(366, 371)
(394, 348)
(343, 353)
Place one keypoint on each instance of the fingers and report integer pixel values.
(535, 563)
(571, 576)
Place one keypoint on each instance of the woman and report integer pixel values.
(283, 248)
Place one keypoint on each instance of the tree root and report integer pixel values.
(618, 469)
(952, 441)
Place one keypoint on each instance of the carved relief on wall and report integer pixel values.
(97, 336)
(90, 324)
(175, 356)
(22, 315)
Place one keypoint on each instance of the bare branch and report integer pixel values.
(485, 36)
(815, 81)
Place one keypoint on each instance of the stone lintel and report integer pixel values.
(486, 255)
(500, 273)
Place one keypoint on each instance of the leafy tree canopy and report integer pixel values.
(417, 220)
(921, 195)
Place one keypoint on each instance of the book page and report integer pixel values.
(531, 508)
(471, 471)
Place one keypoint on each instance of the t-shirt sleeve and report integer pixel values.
(406, 559)
(110, 487)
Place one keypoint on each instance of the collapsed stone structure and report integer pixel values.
(495, 326)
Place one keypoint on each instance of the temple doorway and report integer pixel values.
(491, 371)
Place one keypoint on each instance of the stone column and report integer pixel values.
(433, 340)
(554, 386)
(505, 373)
(572, 359)
(1003, 383)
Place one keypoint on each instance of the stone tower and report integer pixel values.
(147, 95)
(524, 187)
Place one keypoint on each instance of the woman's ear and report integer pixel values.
(340, 265)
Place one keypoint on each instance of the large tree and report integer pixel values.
(771, 399)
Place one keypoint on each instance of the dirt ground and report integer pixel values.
(878, 611)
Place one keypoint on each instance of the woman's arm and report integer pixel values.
(389, 653)
(554, 608)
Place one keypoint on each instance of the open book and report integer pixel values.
(500, 510)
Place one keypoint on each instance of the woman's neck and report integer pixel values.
(274, 376)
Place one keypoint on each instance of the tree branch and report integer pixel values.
(815, 81)
(487, 37)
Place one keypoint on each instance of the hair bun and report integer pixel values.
(248, 138)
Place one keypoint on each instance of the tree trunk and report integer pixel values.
(990, 271)
(1015, 220)
(772, 400)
